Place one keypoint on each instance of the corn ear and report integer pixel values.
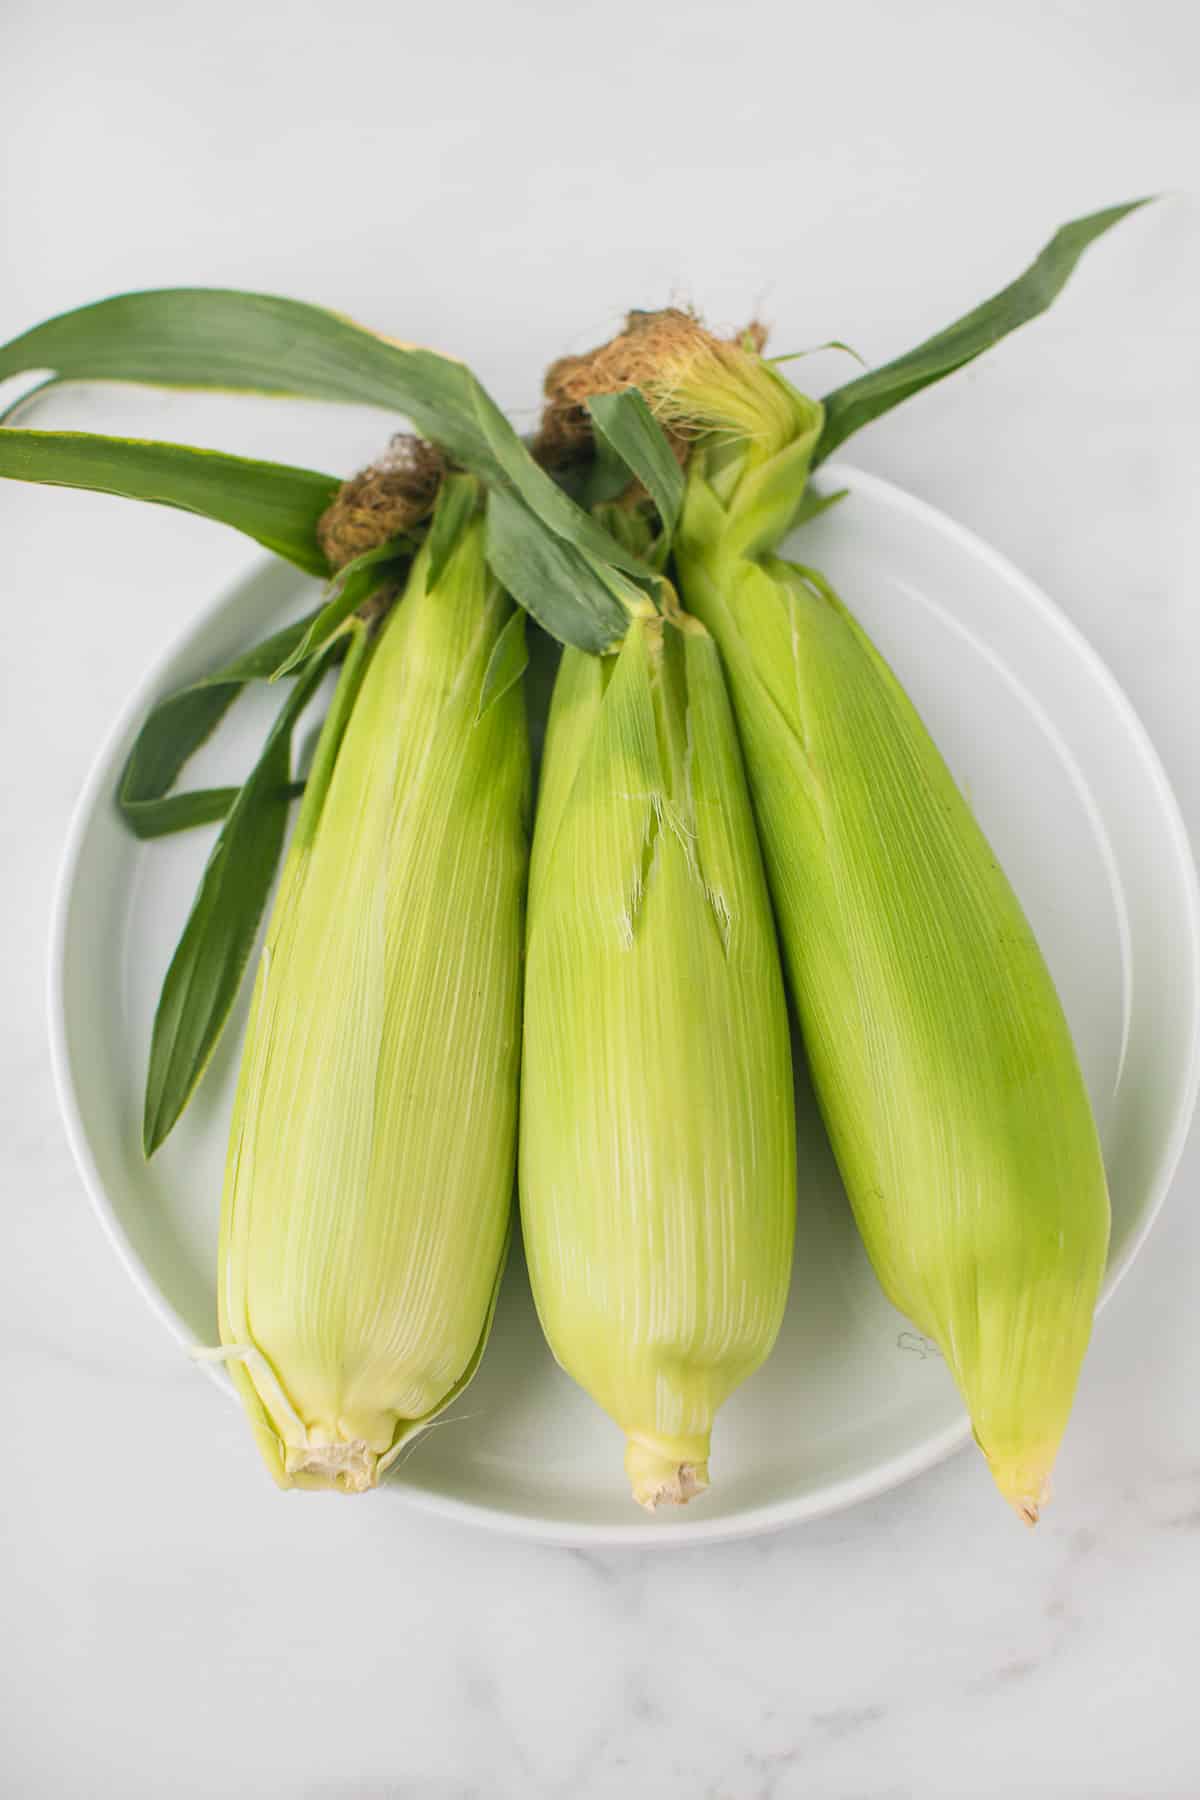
(657, 1125)
(939, 1050)
(369, 1182)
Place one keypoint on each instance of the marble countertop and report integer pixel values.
(504, 182)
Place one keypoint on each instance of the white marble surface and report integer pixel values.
(503, 181)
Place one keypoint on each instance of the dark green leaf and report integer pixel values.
(626, 422)
(345, 594)
(178, 725)
(207, 967)
(506, 664)
(183, 812)
(545, 498)
(360, 648)
(178, 812)
(606, 478)
(259, 662)
(851, 407)
(219, 338)
(248, 343)
(545, 655)
(276, 505)
(457, 499)
(634, 527)
(562, 588)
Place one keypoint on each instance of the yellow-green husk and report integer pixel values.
(657, 1127)
(369, 1182)
(939, 1050)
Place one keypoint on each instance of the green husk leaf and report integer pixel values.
(361, 643)
(183, 812)
(177, 726)
(812, 504)
(350, 587)
(457, 499)
(179, 812)
(814, 350)
(219, 338)
(206, 969)
(275, 505)
(606, 477)
(545, 654)
(562, 588)
(545, 498)
(856, 404)
(506, 664)
(626, 423)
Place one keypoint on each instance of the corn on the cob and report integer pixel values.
(369, 1183)
(939, 1050)
(657, 1127)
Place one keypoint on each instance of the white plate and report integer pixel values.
(852, 1402)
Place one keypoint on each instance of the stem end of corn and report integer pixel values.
(660, 1479)
(344, 1468)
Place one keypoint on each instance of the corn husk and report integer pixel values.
(657, 1125)
(939, 1050)
(369, 1182)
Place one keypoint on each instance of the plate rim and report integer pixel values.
(839, 1495)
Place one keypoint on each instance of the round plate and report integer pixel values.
(853, 1401)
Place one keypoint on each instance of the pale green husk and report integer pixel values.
(939, 1050)
(369, 1182)
(657, 1125)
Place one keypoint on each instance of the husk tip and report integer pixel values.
(1025, 1484)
